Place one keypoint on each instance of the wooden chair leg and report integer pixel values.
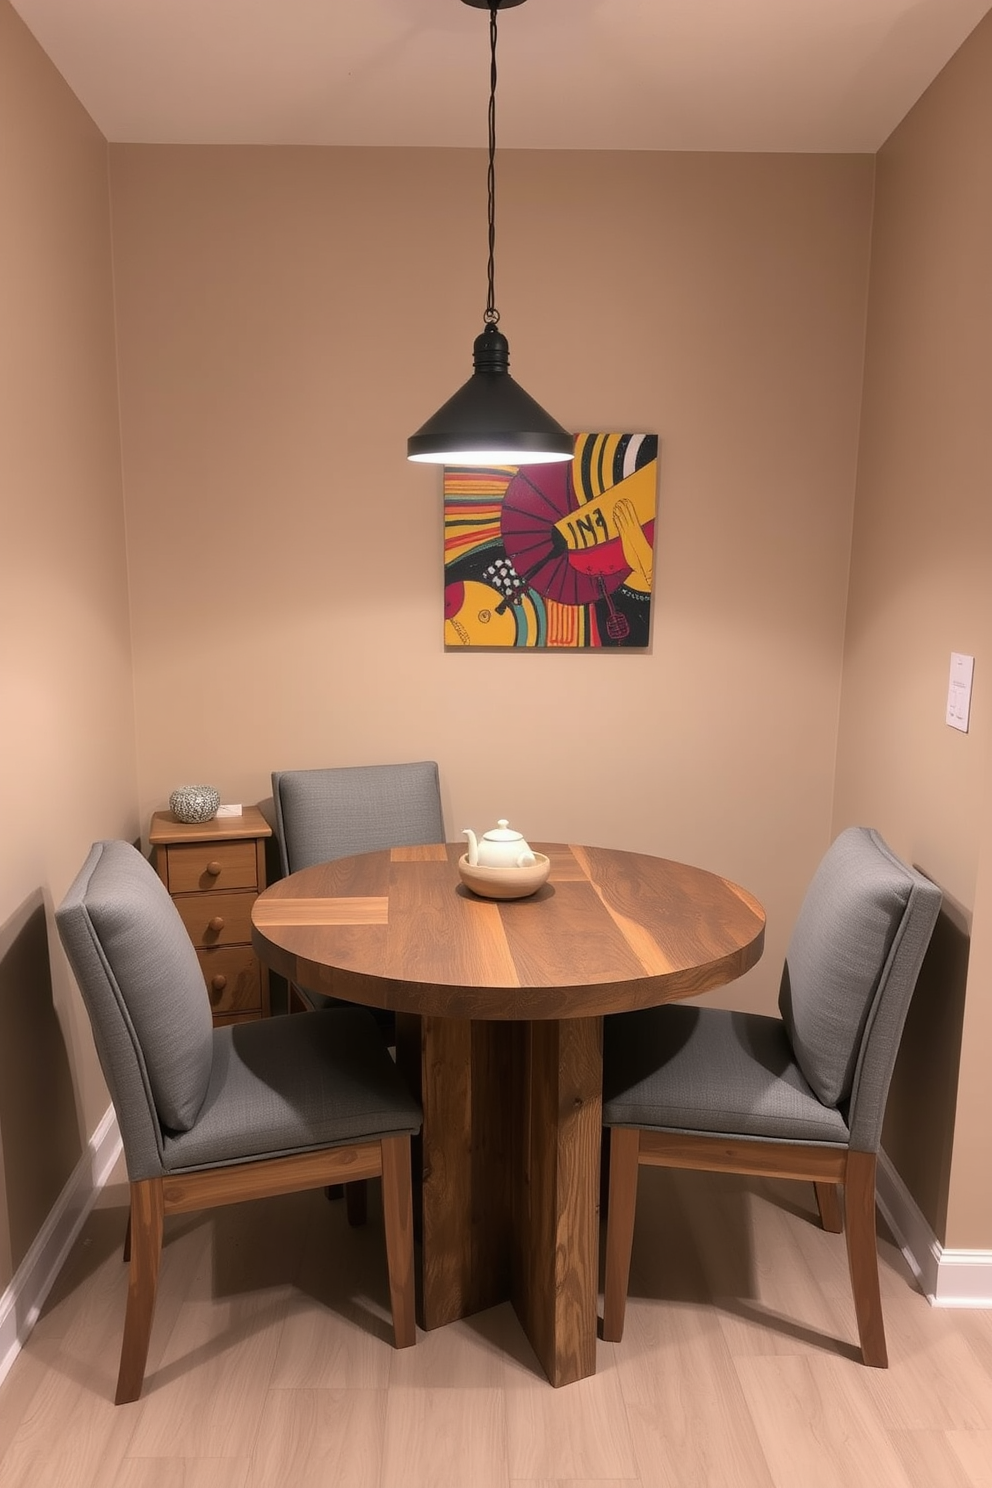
(828, 1203)
(126, 1252)
(862, 1256)
(147, 1217)
(624, 1144)
(356, 1202)
(397, 1210)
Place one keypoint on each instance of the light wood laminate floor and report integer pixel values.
(270, 1365)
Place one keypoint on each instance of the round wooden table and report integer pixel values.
(499, 1010)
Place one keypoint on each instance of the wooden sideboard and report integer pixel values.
(215, 871)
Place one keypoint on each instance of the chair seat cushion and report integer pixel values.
(692, 1069)
(385, 1020)
(290, 1083)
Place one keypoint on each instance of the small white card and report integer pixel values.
(229, 811)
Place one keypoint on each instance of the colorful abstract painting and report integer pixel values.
(553, 555)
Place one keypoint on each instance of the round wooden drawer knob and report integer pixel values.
(214, 868)
(219, 982)
(217, 923)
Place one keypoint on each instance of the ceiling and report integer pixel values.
(792, 75)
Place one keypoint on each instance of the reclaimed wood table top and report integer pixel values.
(610, 931)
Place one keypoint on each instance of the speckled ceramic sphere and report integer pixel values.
(194, 803)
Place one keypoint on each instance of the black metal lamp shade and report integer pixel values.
(491, 420)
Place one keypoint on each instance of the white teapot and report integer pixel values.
(500, 848)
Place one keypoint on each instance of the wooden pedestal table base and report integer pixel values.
(510, 1176)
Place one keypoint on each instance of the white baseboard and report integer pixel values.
(24, 1298)
(947, 1278)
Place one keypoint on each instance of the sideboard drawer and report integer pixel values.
(196, 867)
(217, 919)
(232, 976)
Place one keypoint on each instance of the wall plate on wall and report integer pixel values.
(959, 691)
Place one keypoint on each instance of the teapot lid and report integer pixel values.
(503, 832)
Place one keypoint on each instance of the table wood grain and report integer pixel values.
(499, 1010)
(608, 932)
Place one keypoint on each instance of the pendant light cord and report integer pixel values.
(492, 314)
(491, 421)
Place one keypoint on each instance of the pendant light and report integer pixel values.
(491, 420)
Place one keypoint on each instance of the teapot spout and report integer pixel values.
(473, 847)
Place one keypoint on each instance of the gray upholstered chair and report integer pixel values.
(800, 1096)
(334, 813)
(212, 1116)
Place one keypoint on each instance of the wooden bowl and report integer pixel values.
(504, 883)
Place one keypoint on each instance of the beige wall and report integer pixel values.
(66, 703)
(287, 317)
(920, 590)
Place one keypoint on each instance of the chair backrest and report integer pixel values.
(144, 991)
(333, 813)
(851, 967)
